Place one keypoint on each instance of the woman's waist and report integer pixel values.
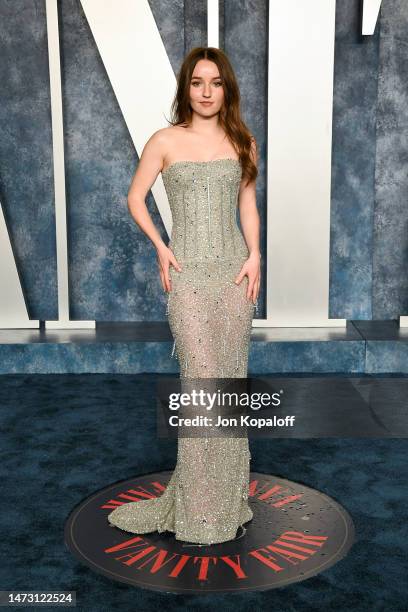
(211, 260)
(204, 250)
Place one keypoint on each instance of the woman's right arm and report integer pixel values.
(150, 164)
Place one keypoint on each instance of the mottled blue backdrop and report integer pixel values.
(113, 267)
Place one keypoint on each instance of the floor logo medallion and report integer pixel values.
(296, 532)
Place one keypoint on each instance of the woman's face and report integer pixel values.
(206, 86)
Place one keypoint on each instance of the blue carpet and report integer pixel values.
(65, 436)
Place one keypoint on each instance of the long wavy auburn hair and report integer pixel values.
(229, 115)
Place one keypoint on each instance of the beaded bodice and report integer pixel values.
(203, 199)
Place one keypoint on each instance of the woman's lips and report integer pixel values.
(206, 103)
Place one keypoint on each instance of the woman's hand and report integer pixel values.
(251, 268)
(165, 258)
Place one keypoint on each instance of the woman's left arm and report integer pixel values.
(250, 223)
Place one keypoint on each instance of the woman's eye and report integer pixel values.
(218, 83)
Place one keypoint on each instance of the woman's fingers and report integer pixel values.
(251, 286)
(257, 285)
(160, 264)
(241, 275)
(162, 280)
(175, 263)
(167, 278)
(253, 274)
(165, 259)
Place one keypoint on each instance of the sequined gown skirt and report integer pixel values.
(206, 498)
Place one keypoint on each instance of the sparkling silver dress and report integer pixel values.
(206, 498)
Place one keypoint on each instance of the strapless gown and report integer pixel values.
(206, 498)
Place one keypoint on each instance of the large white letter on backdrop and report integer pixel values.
(300, 106)
(13, 310)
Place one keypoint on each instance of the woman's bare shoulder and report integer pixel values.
(168, 136)
(169, 139)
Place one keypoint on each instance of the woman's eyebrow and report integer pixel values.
(200, 78)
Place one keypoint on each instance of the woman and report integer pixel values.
(208, 159)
